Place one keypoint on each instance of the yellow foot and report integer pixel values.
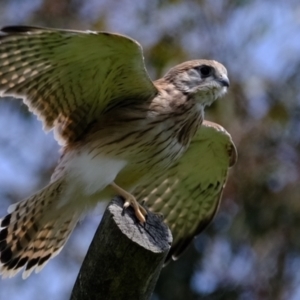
(130, 200)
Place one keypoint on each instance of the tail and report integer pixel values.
(34, 231)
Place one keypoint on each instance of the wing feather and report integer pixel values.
(68, 78)
(189, 193)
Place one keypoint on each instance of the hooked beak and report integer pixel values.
(224, 81)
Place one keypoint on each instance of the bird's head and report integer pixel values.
(204, 80)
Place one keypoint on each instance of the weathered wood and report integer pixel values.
(125, 258)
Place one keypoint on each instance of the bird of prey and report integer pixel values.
(121, 134)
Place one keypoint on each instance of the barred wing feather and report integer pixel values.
(189, 193)
(68, 78)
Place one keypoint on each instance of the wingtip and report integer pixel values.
(18, 29)
(27, 273)
(233, 155)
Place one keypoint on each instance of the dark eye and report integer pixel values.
(205, 71)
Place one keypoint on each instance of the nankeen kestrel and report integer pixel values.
(120, 133)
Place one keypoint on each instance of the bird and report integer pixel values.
(120, 134)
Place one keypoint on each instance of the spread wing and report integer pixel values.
(68, 78)
(189, 193)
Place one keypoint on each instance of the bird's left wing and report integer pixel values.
(188, 194)
(68, 78)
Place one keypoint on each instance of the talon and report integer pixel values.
(140, 215)
(126, 204)
(140, 211)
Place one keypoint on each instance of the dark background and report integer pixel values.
(252, 249)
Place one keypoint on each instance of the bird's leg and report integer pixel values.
(139, 210)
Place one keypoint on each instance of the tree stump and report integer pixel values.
(125, 257)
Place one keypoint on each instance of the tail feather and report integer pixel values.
(34, 231)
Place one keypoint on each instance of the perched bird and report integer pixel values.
(121, 134)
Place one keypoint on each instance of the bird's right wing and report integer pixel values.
(189, 193)
(68, 78)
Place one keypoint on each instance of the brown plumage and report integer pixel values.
(121, 134)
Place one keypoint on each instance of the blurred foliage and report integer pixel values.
(252, 249)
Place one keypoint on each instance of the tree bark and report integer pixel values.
(125, 258)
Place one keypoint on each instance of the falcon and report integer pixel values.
(121, 134)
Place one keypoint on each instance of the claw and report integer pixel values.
(126, 204)
(140, 211)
